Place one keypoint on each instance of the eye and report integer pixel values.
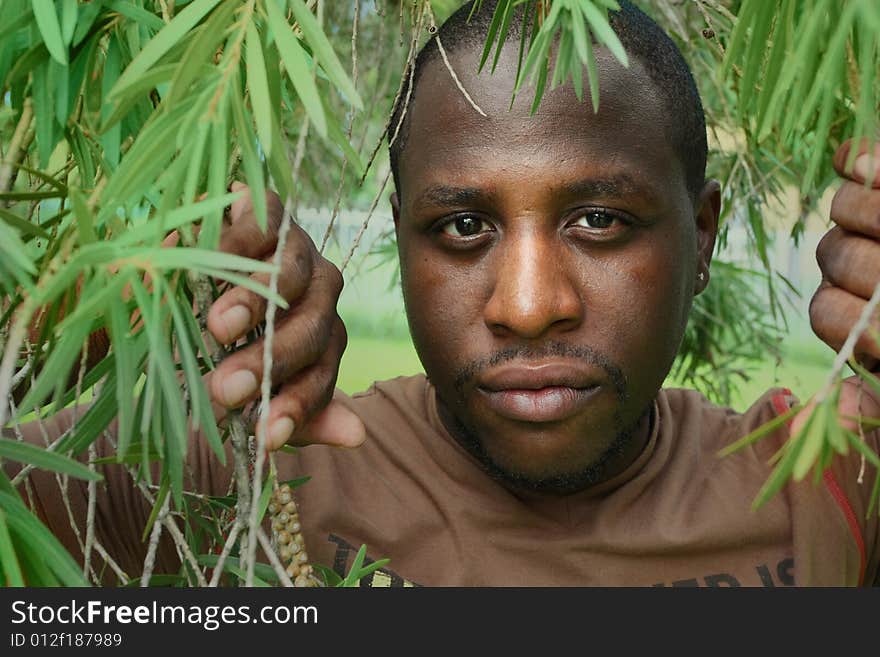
(466, 225)
(595, 219)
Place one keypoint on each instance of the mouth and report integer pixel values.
(542, 393)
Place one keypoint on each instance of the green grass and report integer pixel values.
(369, 359)
(803, 369)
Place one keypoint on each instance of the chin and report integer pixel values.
(546, 462)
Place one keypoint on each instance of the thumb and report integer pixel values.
(336, 425)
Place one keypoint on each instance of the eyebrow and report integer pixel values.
(616, 186)
(445, 195)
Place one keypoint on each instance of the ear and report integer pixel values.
(708, 209)
(395, 210)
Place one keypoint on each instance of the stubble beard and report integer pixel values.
(563, 483)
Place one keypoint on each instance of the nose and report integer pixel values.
(533, 294)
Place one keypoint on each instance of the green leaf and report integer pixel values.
(323, 52)
(253, 167)
(157, 507)
(297, 68)
(22, 225)
(259, 86)
(811, 438)
(8, 560)
(599, 25)
(263, 572)
(129, 356)
(166, 39)
(137, 14)
(50, 29)
(85, 221)
(763, 430)
(40, 542)
(22, 452)
(68, 20)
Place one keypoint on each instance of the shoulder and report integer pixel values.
(718, 426)
(402, 395)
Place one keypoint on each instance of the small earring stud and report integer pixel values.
(701, 276)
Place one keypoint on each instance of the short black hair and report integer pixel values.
(643, 40)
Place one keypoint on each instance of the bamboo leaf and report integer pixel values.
(323, 51)
(764, 430)
(14, 221)
(9, 566)
(50, 29)
(297, 68)
(41, 542)
(22, 452)
(258, 86)
(253, 167)
(600, 27)
(166, 39)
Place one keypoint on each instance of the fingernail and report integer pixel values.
(238, 386)
(862, 166)
(280, 431)
(236, 320)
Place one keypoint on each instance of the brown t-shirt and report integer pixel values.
(678, 516)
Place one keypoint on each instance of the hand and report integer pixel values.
(849, 258)
(309, 336)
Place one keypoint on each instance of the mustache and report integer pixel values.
(466, 375)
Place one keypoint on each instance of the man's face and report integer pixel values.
(548, 264)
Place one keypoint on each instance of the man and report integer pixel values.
(548, 265)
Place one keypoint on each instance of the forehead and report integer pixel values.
(449, 141)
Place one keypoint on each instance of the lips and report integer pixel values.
(547, 392)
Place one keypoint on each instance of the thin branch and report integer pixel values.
(18, 147)
(224, 554)
(363, 229)
(433, 30)
(405, 82)
(846, 351)
(155, 535)
(266, 544)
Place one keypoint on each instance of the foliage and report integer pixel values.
(125, 119)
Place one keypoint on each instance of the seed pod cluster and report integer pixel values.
(289, 540)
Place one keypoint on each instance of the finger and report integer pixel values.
(849, 261)
(301, 400)
(243, 235)
(335, 425)
(857, 209)
(301, 337)
(834, 312)
(866, 165)
(239, 310)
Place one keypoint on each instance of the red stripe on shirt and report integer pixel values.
(836, 492)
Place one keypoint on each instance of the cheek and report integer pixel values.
(656, 283)
(443, 303)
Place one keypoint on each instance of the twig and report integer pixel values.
(455, 78)
(363, 229)
(155, 534)
(846, 351)
(266, 544)
(354, 77)
(405, 82)
(18, 147)
(121, 574)
(266, 390)
(224, 554)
